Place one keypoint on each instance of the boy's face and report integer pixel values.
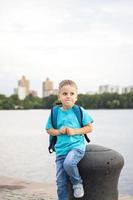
(67, 96)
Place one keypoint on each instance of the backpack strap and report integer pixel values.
(54, 114)
(86, 137)
(53, 139)
(79, 114)
(52, 142)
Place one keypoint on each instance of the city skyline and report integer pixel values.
(23, 81)
(88, 42)
(37, 86)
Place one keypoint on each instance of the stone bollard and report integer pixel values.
(100, 169)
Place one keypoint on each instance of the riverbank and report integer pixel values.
(15, 188)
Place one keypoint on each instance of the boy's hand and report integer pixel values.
(63, 130)
(70, 131)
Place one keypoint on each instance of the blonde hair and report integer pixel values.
(67, 82)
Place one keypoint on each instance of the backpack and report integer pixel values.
(54, 112)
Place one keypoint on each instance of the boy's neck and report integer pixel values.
(66, 108)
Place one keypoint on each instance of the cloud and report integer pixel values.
(67, 38)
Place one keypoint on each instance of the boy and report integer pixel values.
(70, 145)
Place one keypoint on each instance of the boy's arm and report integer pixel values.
(56, 132)
(84, 130)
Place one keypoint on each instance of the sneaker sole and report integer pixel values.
(79, 196)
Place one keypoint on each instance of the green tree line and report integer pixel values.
(95, 101)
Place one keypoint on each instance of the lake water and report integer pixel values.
(24, 142)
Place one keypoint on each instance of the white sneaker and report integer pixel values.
(78, 190)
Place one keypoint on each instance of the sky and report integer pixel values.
(90, 42)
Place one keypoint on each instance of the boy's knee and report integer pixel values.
(66, 165)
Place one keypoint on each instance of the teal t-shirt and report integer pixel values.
(67, 118)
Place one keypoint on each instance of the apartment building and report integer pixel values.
(108, 89)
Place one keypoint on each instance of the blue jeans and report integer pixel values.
(67, 170)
